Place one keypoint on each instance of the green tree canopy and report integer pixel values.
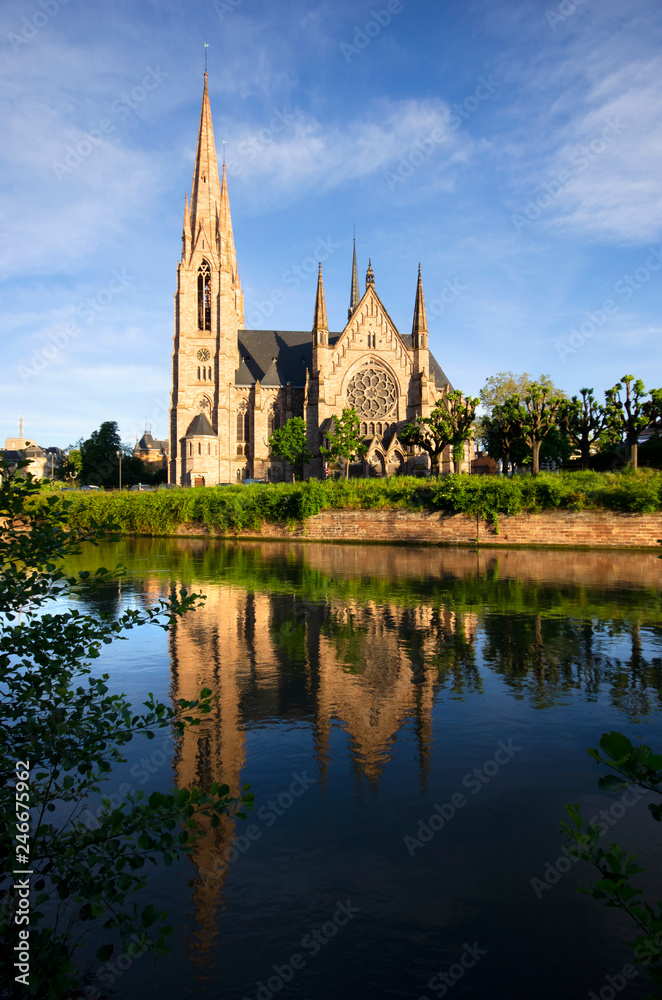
(290, 443)
(504, 385)
(345, 441)
(450, 424)
(582, 421)
(538, 418)
(628, 412)
(99, 465)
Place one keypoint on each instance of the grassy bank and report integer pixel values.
(239, 508)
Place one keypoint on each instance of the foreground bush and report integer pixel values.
(243, 508)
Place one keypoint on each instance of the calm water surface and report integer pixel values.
(411, 722)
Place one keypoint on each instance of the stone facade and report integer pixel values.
(232, 387)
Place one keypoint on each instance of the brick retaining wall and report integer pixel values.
(594, 529)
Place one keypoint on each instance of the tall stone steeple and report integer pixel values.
(206, 188)
(209, 312)
(354, 297)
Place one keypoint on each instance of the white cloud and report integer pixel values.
(294, 152)
(609, 84)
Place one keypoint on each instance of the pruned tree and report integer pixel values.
(628, 413)
(290, 443)
(345, 441)
(501, 431)
(450, 424)
(540, 408)
(582, 421)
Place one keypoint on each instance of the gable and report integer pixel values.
(371, 329)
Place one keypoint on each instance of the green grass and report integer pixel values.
(230, 509)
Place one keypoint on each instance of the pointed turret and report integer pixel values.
(354, 296)
(370, 276)
(320, 323)
(419, 340)
(206, 188)
(419, 330)
(228, 253)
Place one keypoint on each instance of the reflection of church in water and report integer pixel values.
(232, 387)
(348, 665)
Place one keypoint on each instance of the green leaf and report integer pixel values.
(616, 745)
(104, 952)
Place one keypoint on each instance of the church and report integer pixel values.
(232, 387)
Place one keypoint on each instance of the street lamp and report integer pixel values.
(119, 455)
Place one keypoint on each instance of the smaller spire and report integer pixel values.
(320, 323)
(354, 297)
(419, 328)
(370, 275)
(187, 216)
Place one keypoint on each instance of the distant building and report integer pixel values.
(152, 452)
(483, 465)
(42, 460)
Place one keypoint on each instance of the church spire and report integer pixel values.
(354, 297)
(228, 253)
(320, 323)
(370, 276)
(419, 330)
(206, 189)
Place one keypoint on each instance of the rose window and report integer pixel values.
(372, 392)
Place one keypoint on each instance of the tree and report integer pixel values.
(504, 385)
(100, 459)
(290, 443)
(627, 417)
(582, 421)
(346, 440)
(449, 423)
(538, 419)
(500, 431)
(61, 733)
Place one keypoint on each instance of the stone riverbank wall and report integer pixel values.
(587, 529)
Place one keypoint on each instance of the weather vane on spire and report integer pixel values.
(206, 47)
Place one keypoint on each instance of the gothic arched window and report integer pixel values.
(273, 420)
(204, 297)
(243, 425)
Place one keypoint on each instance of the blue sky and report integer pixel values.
(514, 149)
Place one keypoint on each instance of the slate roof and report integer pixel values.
(200, 427)
(293, 351)
(147, 441)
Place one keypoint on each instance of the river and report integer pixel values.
(411, 721)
